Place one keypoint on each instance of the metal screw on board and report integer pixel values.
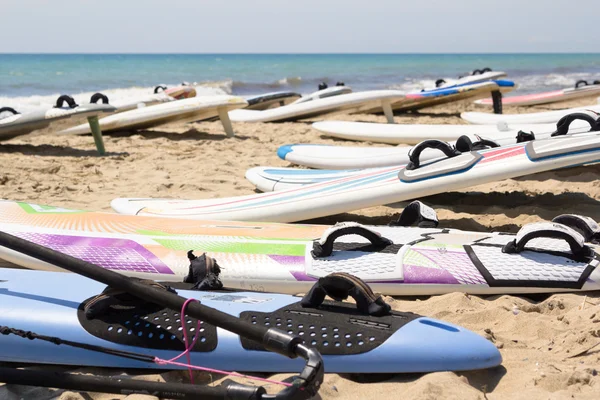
(97, 133)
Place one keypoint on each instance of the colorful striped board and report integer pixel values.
(271, 179)
(380, 186)
(352, 157)
(458, 92)
(282, 258)
(51, 303)
(474, 77)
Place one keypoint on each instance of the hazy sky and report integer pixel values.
(298, 26)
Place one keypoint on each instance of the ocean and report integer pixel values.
(29, 81)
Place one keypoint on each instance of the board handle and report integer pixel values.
(563, 124)
(550, 230)
(324, 246)
(464, 144)
(415, 153)
(341, 285)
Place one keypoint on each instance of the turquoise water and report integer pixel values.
(25, 76)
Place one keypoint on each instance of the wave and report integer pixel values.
(222, 87)
(260, 87)
(30, 103)
(295, 83)
(553, 81)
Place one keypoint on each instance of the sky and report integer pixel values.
(301, 26)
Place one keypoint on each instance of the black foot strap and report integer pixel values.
(582, 224)
(563, 124)
(99, 96)
(551, 230)
(102, 304)
(339, 286)
(203, 273)
(464, 144)
(414, 154)
(525, 136)
(9, 110)
(324, 246)
(65, 99)
(417, 213)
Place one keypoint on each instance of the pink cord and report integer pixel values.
(189, 347)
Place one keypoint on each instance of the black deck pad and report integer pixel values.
(148, 326)
(334, 328)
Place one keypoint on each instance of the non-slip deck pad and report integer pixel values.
(447, 257)
(148, 326)
(539, 269)
(332, 328)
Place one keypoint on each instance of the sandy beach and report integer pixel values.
(550, 344)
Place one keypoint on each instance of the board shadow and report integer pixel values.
(584, 174)
(191, 134)
(43, 299)
(48, 150)
(510, 204)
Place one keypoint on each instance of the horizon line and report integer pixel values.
(298, 53)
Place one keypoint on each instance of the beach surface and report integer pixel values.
(550, 344)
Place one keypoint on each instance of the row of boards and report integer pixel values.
(542, 257)
(464, 137)
(375, 101)
(326, 101)
(373, 187)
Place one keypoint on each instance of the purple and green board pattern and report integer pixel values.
(422, 261)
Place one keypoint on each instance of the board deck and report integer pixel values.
(544, 117)
(324, 93)
(40, 302)
(416, 133)
(46, 121)
(186, 110)
(277, 257)
(450, 94)
(351, 102)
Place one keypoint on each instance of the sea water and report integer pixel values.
(29, 81)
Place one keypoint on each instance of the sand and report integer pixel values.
(547, 342)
